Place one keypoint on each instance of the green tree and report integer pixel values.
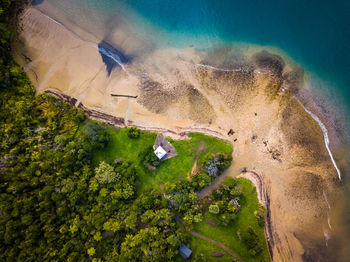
(105, 173)
(97, 135)
(91, 251)
(214, 209)
(133, 132)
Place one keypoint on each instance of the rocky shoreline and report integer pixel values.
(264, 199)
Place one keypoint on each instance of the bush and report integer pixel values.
(133, 132)
(251, 240)
(214, 209)
(80, 115)
(215, 164)
(236, 191)
(260, 215)
(106, 174)
(97, 135)
(149, 157)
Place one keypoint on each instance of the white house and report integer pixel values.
(160, 152)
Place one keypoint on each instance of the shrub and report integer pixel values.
(215, 164)
(236, 191)
(79, 116)
(105, 173)
(251, 240)
(149, 157)
(260, 215)
(133, 132)
(214, 209)
(97, 135)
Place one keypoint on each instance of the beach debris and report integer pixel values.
(128, 96)
(230, 132)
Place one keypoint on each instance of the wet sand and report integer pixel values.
(273, 135)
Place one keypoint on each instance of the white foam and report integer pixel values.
(226, 70)
(53, 20)
(256, 71)
(112, 55)
(325, 135)
(327, 236)
(329, 222)
(326, 198)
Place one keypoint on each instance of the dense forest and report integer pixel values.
(53, 204)
(56, 204)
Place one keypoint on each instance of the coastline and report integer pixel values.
(264, 200)
(74, 71)
(255, 178)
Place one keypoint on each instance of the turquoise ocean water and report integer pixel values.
(314, 33)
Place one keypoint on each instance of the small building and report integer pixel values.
(160, 152)
(163, 149)
(185, 252)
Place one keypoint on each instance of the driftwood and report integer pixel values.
(128, 96)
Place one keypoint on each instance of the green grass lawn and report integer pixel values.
(189, 151)
(227, 235)
(200, 246)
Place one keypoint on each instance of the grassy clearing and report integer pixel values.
(227, 235)
(200, 246)
(189, 151)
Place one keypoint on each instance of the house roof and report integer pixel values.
(166, 146)
(160, 152)
(185, 252)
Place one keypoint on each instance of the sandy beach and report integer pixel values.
(273, 135)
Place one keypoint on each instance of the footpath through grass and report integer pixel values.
(179, 167)
(227, 235)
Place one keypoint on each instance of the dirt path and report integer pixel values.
(193, 233)
(263, 198)
(215, 243)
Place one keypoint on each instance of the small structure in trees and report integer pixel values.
(163, 149)
(185, 252)
(235, 202)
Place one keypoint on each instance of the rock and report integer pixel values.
(211, 223)
(153, 168)
(217, 254)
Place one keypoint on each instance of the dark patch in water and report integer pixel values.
(273, 62)
(36, 2)
(319, 252)
(293, 80)
(111, 57)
